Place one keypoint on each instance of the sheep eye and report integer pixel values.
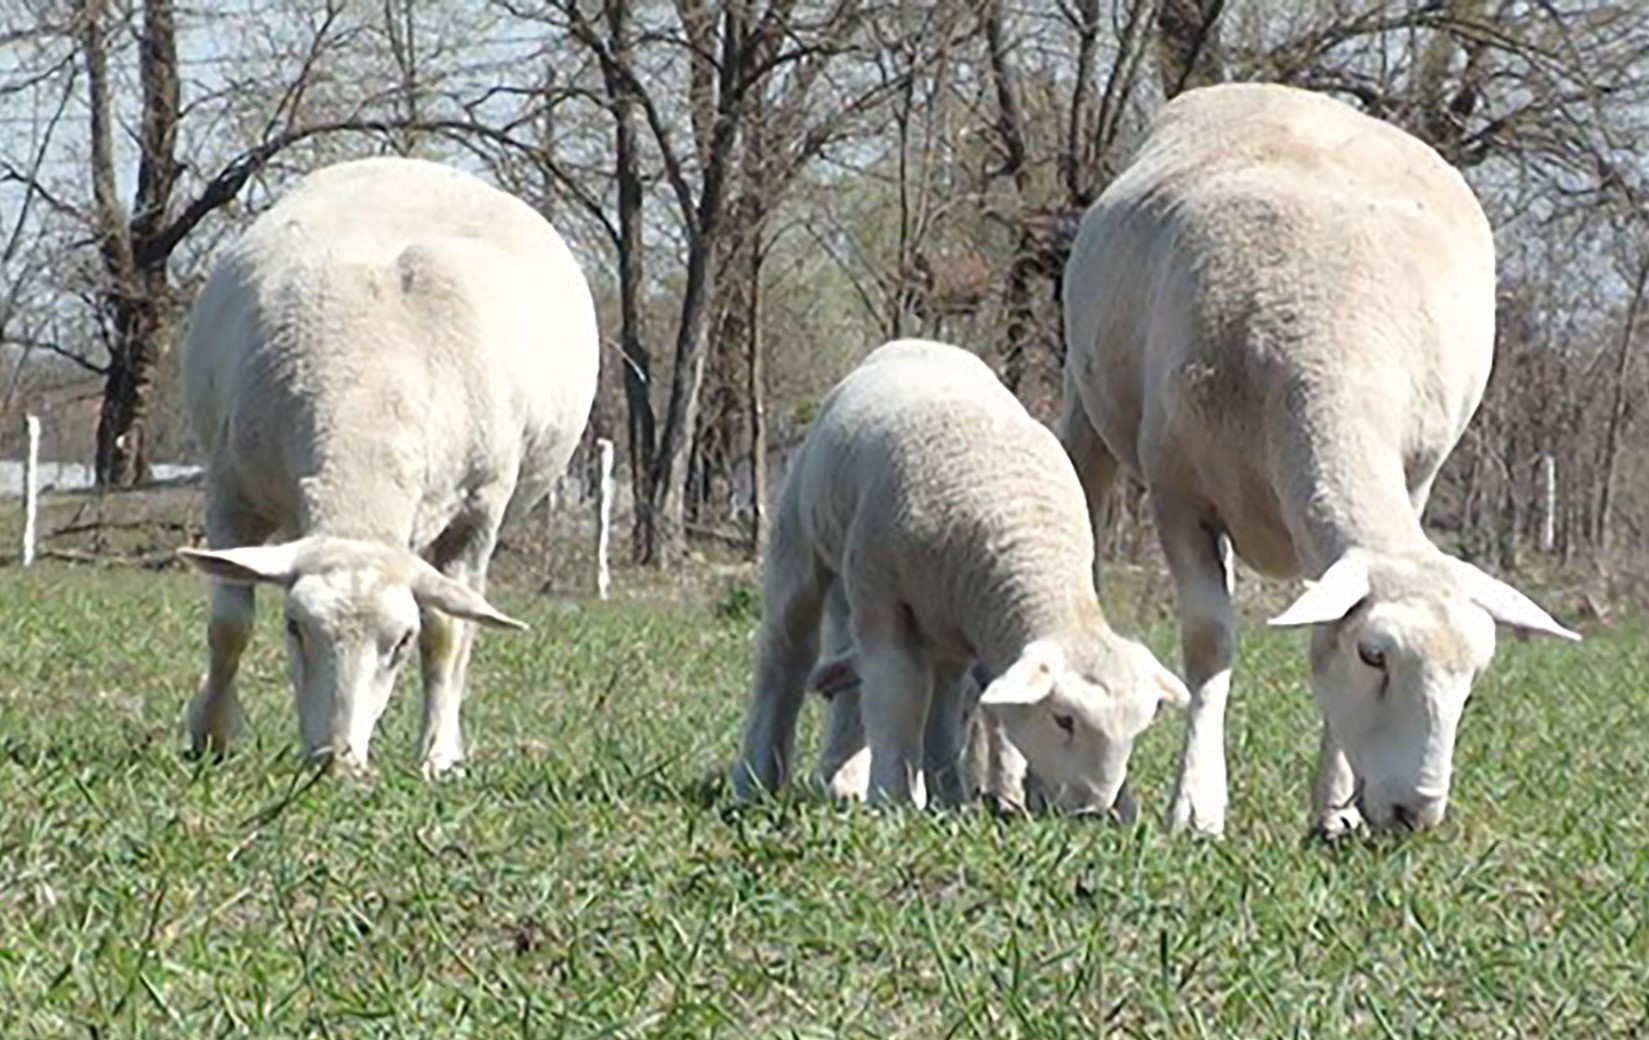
(1066, 723)
(402, 645)
(1371, 656)
(293, 630)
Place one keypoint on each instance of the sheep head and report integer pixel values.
(352, 618)
(1397, 644)
(1075, 714)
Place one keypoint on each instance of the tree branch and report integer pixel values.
(32, 188)
(223, 187)
(111, 221)
(621, 76)
(29, 345)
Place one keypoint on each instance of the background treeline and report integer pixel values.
(760, 190)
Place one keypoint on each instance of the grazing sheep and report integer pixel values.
(956, 531)
(1281, 318)
(393, 359)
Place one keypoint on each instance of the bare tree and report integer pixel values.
(136, 244)
(1616, 414)
(761, 188)
(732, 50)
(1087, 143)
(133, 248)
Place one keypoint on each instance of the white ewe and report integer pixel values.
(1281, 318)
(957, 532)
(393, 359)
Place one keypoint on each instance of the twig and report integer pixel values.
(736, 538)
(146, 561)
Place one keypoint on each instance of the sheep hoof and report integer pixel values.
(1337, 824)
(213, 725)
(441, 767)
(1206, 821)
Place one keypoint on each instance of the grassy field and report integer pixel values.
(589, 879)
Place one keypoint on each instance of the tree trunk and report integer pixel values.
(669, 530)
(1188, 48)
(1078, 159)
(1135, 40)
(135, 252)
(704, 254)
(1511, 504)
(114, 245)
(1010, 128)
(638, 363)
(758, 405)
(723, 411)
(1021, 324)
(138, 322)
(1617, 408)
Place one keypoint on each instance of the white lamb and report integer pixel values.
(1281, 318)
(956, 529)
(393, 359)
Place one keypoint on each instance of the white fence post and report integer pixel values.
(1548, 503)
(31, 487)
(604, 519)
(549, 507)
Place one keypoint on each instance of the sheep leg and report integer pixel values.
(444, 645)
(1332, 811)
(793, 593)
(215, 717)
(1126, 809)
(1199, 556)
(898, 683)
(843, 768)
(1006, 773)
(976, 759)
(944, 736)
(1096, 469)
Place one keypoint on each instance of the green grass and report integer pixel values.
(589, 879)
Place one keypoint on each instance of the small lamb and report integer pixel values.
(956, 530)
(1281, 318)
(391, 361)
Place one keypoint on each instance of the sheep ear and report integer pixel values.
(1507, 605)
(1331, 597)
(1028, 681)
(431, 588)
(249, 565)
